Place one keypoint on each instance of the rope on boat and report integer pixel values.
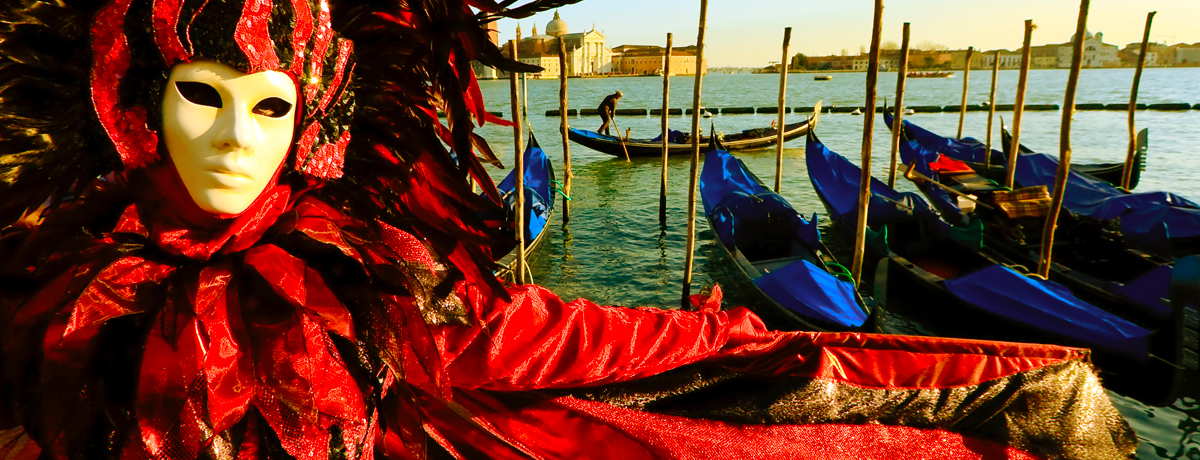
(839, 271)
(558, 188)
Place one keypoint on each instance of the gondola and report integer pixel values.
(930, 74)
(971, 152)
(679, 143)
(966, 291)
(778, 251)
(1090, 257)
(539, 205)
(1160, 223)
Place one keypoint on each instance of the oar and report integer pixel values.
(915, 176)
(619, 136)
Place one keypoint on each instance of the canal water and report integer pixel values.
(614, 251)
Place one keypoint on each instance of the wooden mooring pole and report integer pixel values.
(519, 271)
(864, 191)
(1064, 144)
(691, 204)
(564, 127)
(1010, 173)
(666, 103)
(783, 68)
(987, 154)
(962, 108)
(1127, 173)
(898, 110)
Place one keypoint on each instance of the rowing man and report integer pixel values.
(607, 108)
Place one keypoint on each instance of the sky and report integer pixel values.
(749, 33)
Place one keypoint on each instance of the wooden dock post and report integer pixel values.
(1127, 173)
(1064, 144)
(864, 191)
(666, 103)
(564, 126)
(962, 108)
(1010, 173)
(783, 65)
(898, 110)
(519, 272)
(691, 205)
(987, 154)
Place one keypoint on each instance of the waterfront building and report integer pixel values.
(1096, 53)
(648, 60)
(888, 60)
(1187, 55)
(586, 52)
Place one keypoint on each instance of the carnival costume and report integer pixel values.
(350, 310)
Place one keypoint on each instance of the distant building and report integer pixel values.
(649, 60)
(1187, 55)
(888, 60)
(586, 51)
(1157, 54)
(1096, 53)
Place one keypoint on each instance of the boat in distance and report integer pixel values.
(679, 143)
(931, 74)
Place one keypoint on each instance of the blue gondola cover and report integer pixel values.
(735, 199)
(1049, 306)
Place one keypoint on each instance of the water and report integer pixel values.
(614, 252)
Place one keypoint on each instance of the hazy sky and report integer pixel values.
(750, 32)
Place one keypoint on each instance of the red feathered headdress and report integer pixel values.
(292, 36)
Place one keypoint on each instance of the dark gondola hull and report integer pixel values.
(777, 252)
(1150, 364)
(747, 140)
(539, 206)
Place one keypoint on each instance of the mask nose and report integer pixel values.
(235, 130)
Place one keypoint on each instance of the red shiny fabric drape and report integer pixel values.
(245, 349)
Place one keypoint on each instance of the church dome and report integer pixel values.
(556, 27)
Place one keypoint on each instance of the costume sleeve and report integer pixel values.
(538, 341)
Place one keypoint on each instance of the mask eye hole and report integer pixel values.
(272, 107)
(199, 93)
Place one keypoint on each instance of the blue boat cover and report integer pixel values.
(836, 181)
(734, 198)
(539, 174)
(1149, 289)
(812, 292)
(966, 149)
(1147, 219)
(1152, 290)
(1141, 213)
(596, 135)
(673, 137)
(1048, 306)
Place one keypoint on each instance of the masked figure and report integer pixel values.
(224, 236)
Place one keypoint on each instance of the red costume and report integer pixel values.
(350, 311)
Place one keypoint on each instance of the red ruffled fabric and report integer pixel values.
(253, 329)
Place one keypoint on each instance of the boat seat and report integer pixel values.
(970, 183)
(765, 239)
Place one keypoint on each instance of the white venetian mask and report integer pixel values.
(227, 132)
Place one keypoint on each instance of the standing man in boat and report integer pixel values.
(608, 107)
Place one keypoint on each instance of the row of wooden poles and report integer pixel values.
(868, 129)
